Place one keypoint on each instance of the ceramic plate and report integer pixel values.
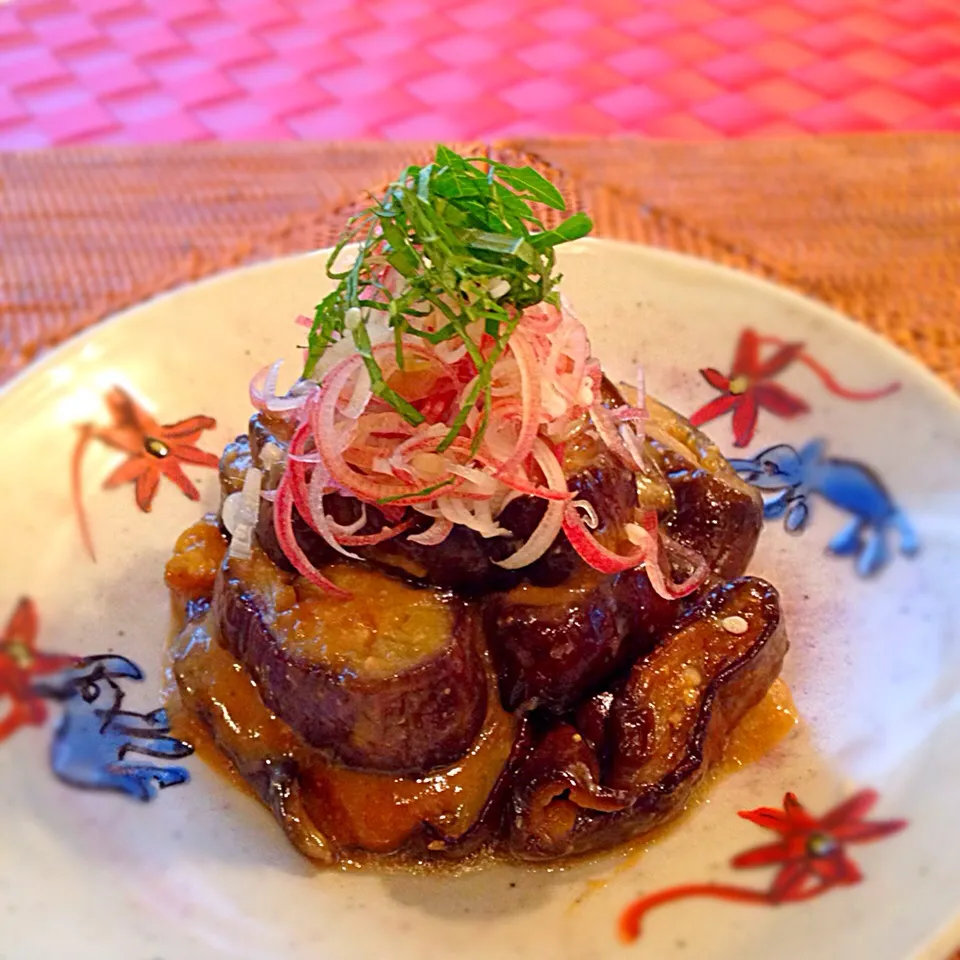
(856, 449)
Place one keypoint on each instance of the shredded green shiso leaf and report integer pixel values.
(461, 233)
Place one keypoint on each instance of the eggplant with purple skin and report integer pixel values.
(446, 813)
(639, 751)
(328, 811)
(221, 696)
(390, 679)
(465, 561)
(714, 512)
(555, 645)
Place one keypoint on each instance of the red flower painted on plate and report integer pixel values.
(20, 663)
(811, 850)
(153, 450)
(811, 854)
(750, 387)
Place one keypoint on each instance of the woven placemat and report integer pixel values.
(870, 225)
(84, 232)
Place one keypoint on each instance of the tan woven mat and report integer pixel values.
(868, 224)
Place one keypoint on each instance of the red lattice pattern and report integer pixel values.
(121, 71)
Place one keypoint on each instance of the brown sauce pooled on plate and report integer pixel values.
(763, 727)
(215, 702)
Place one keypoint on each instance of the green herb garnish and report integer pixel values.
(458, 230)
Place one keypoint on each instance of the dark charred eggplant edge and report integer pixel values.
(566, 767)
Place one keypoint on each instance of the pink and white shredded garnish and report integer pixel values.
(544, 386)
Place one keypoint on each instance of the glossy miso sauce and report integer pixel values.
(762, 728)
(215, 704)
(384, 627)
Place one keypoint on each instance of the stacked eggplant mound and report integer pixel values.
(460, 595)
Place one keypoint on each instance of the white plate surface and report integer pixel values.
(204, 872)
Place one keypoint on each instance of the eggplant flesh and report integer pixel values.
(390, 678)
(628, 761)
(331, 813)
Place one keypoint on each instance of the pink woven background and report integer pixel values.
(140, 71)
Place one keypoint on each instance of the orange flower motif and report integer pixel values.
(153, 450)
(20, 663)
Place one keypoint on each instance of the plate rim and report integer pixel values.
(896, 355)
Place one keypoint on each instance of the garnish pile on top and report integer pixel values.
(443, 374)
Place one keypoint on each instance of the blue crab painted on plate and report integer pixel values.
(790, 479)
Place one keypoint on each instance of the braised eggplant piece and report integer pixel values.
(714, 512)
(447, 813)
(465, 561)
(389, 679)
(642, 750)
(555, 645)
(235, 461)
(328, 811)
